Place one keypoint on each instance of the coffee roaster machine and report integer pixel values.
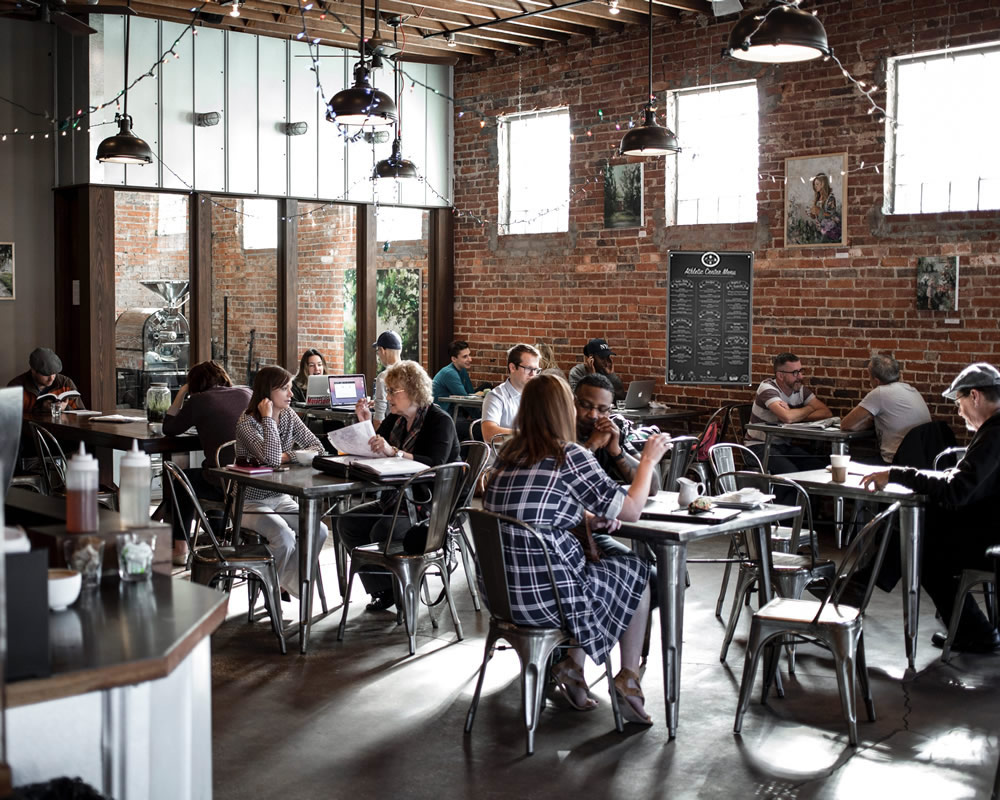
(152, 345)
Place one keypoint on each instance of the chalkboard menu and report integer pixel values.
(709, 314)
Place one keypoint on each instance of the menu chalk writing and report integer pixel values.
(709, 317)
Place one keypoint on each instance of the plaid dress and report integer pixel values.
(598, 599)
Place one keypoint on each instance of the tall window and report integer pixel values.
(534, 171)
(941, 155)
(716, 179)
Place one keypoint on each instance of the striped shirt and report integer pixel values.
(768, 393)
(265, 442)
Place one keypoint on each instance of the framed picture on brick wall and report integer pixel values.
(623, 196)
(6, 270)
(937, 283)
(816, 201)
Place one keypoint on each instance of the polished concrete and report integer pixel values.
(362, 719)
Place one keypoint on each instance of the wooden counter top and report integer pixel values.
(122, 634)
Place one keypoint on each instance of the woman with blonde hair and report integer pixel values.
(416, 429)
(267, 434)
(546, 479)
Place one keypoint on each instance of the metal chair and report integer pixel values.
(714, 431)
(408, 569)
(475, 454)
(681, 455)
(497, 442)
(970, 578)
(830, 623)
(54, 468)
(739, 418)
(533, 645)
(212, 562)
(476, 429)
(790, 571)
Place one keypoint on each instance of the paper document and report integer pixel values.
(116, 418)
(381, 467)
(353, 439)
(829, 422)
(83, 413)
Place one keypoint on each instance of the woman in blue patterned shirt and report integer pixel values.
(546, 479)
(267, 433)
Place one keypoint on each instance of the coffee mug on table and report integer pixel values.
(838, 466)
(688, 491)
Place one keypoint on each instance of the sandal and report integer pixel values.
(570, 678)
(625, 691)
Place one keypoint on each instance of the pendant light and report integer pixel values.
(395, 166)
(649, 139)
(361, 104)
(124, 147)
(782, 35)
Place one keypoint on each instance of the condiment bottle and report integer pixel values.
(81, 493)
(133, 489)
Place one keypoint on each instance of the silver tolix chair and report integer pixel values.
(533, 645)
(829, 623)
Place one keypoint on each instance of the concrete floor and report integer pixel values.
(362, 719)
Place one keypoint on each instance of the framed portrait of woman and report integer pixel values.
(816, 201)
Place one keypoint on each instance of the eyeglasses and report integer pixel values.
(587, 406)
(792, 371)
(959, 399)
(530, 370)
(394, 391)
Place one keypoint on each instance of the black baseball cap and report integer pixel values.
(598, 347)
(974, 376)
(389, 340)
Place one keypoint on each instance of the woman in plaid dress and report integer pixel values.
(547, 480)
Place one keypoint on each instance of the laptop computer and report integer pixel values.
(318, 390)
(639, 394)
(344, 391)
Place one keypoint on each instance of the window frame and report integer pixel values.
(673, 163)
(504, 166)
(889, 166)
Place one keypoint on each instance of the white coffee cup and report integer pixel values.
(304, 457)
(838, 466)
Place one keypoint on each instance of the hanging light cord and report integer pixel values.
(128, 30)
(649, 99)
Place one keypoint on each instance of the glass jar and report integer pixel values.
(157, 403)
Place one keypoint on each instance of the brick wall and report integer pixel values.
(832, 306)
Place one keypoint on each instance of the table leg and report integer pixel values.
(839, 449)
(767, 451)
(308, 533)
(671, 558)
(911, 523)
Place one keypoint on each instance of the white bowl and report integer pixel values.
(304, 457)
(64, 588)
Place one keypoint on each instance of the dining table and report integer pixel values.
(669, 540)
(837, 439)
(473, 402)
(911, 526)
(663, 416)
(317, 493)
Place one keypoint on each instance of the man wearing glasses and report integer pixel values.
(785, 398)
(961, 509)
(501, 404)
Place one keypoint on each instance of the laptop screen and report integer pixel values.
(318, 386)
(346, 389)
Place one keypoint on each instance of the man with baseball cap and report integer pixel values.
(961, 509)
(597, 360)
(43, 377)
(388, 348)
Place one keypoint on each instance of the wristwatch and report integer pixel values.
(397, 453)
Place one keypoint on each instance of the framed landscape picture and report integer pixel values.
(6, 270)
(816, 201)
(623, 196)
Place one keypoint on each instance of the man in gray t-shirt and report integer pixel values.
(892, 406)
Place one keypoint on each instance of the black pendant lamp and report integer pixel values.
(124, 147)
(649, 139)
(361, 104)
(395, 166)
(782, 34)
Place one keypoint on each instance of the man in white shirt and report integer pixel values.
(501, 404)
(785, 398)
(892, 406)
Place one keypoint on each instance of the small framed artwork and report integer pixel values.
(6, 270)
(815, 201)
(937, 283)
(623, 196)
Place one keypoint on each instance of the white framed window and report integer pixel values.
(260, 224)
(941, 152)
(533, 153)
(716, 176)
(171, 214)
(398, 224)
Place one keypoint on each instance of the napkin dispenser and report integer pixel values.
(26, 591)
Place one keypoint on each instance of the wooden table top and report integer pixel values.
(115, 435)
